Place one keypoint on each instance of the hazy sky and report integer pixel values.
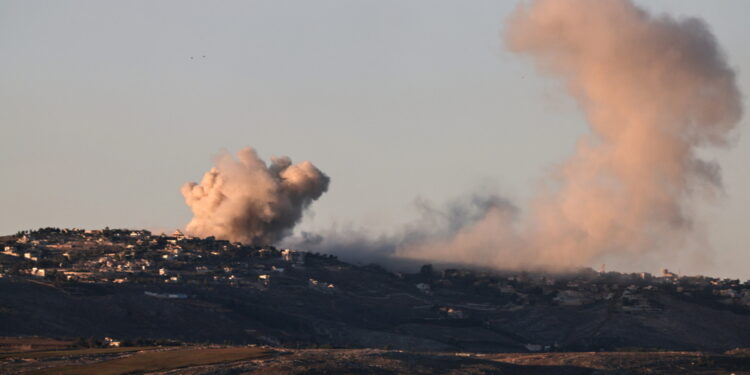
(107, 108)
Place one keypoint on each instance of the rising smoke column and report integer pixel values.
(654, 90)
(247, 201)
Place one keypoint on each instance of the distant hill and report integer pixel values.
(133, 284)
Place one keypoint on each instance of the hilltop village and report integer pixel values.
(138, 256)
(125, 256)
(276, 295)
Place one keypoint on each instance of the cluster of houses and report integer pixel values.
(122, 256)
(125, 256)
(636, 292)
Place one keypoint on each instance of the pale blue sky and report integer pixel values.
(104, 114)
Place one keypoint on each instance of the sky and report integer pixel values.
(107, 108)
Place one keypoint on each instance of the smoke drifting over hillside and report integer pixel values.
(247, 201)
(654, 90)
(435, 225)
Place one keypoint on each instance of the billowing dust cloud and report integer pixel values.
(654, 90)
(247, 201)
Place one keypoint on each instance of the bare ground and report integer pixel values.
(249, 360)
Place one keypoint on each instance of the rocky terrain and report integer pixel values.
(131, 286)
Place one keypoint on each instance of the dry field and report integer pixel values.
(18, 344)
(251, 360)
(121, 361)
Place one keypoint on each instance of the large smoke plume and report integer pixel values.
(654, 90)
(247, 201)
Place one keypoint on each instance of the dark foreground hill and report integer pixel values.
(130, 285)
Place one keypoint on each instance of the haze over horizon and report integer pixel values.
(412, 102)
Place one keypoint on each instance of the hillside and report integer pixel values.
(133, 285)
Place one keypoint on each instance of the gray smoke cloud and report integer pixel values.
(434, 224)
(245, 200)
(655, 90)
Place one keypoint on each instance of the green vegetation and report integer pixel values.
(159, 361)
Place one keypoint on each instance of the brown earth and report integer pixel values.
(253, 360)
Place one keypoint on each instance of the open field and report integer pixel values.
(70, 352)
(636, 362)
(19, 344)
(153, 360)
(245, 360)
(573, 363)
